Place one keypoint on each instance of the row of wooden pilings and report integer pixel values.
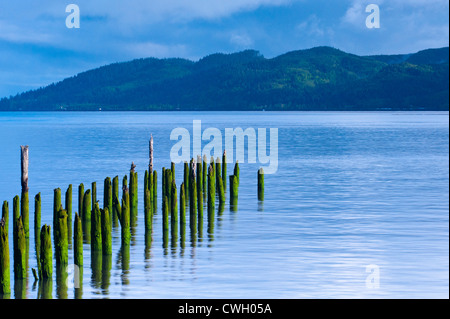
(202, 181)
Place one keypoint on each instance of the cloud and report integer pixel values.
(242, 41)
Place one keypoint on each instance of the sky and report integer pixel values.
(37, 48)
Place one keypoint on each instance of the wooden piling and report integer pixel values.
(56, 205)
(125, 223)
(78, 241)
(224, 169)
(5, 214)
(61, 239)
(174, 204)
(199, 172)
(106, 231)
(218, 172)
(96, 229)
(46, 266)
(193, 197)
(37, 226)
(150, 155)
(155, 191)
(24, 206)
(86, 215)
(168, 186)
(80, 200)
(211, 189)
(261, 184)
(148, 211)
(108, 196)
(165, 223)
(94, 194)
(20, 250)
(237, 171)
(221, 190)
(205, 174)
(182, 205)
(5, 280)
(234, 187)
(133, 194)
(68, 207)
(186, 179)
(115, 197)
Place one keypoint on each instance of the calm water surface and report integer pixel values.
(352, 190)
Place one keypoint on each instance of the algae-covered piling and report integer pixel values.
(261, 184)
(5, 280)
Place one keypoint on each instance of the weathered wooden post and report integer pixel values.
(19, 242)
(150, 155)
(165, 223)
(237, 171)
(61, 239)
(172, 169)
(224, 169)
(133, 194)
(199, 189)
(5, 214)
(163, 186)
(56, 205)
(125, 223)
(106, 231)
(86, 215)
(37, 226)
(168, 186)
(174, 204)
(211, 189)
(218, 172)
(205, 174)
(261, 184)
(234, 187)
(94, 194)
(68, 207)
(25, 198)
(148, 211)
(193, 197)
(96, 229)
(45, 257)
(78, 241)
(221, 190)
(182, 205)
(80, 199)
(186, 179)
(5, 279)
(115, 196)
(155, 191)
(108, 196)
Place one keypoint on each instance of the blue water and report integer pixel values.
(352, 190)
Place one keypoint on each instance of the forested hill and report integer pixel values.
(321, 78)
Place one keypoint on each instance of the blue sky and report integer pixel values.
(36, 47)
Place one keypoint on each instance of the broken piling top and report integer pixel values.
(133, 166)
(24, 168)
(150, 155)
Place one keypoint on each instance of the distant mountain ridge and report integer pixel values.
(321, 78)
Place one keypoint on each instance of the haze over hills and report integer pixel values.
(320, 78)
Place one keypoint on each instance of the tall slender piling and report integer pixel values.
(174, 204)
(37, 226)
(182, 205)
(108, 195)
(211, 190)
(234, 187)
(68, 207)
(148, 211)
(96, 229)
(46, 266)
(146, 200)
(86, 215)
(165, 224)
(133, 194)
(94, 194)
(221, 190)
(20, 250)
(80, 199)
(155, 191)
(218, 172)
(199, 189)
(186, 179)
(5, 279)
(224, 169)
(205, 174)
(163, 184)
(261, 184)
(125, 223)
(61, 239)
(237, 171)
(150, 155)
(193, 198)
(168, 186)
(78, 241)
(5, 214)
(172, 169)
(115, 196)
(56, 205)
(106, 231)
(24, 206)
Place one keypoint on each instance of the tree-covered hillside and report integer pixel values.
(321, 78)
